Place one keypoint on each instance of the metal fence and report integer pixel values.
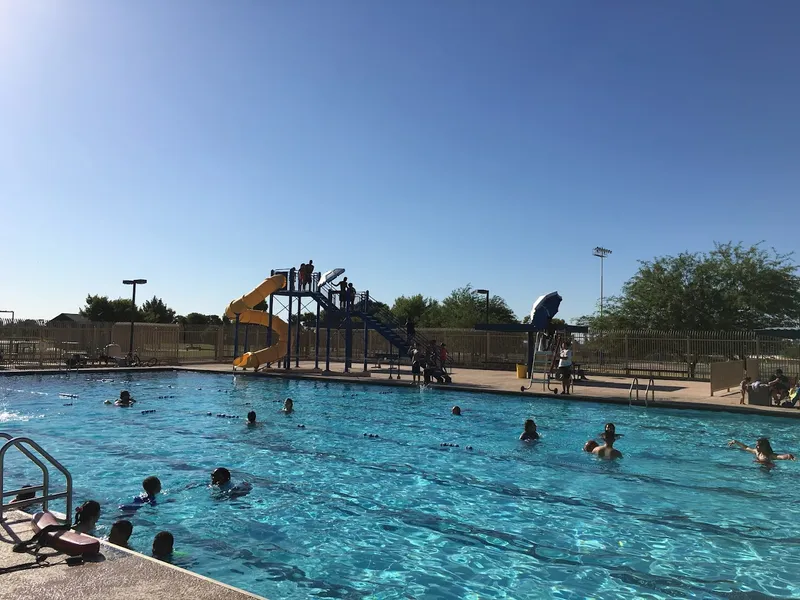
(685, 355)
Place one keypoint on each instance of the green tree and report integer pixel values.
(732, 287)
(424, 312)
(155, 311)
(194, 318)
(463, 308)
(100, 308)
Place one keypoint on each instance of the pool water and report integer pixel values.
(335, 514)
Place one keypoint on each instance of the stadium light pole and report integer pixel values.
(134, 283)
(487, 302)
(601, 253)
(486, 357)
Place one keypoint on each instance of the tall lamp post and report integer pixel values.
(134, 283)
(486, 359)
(601, 253)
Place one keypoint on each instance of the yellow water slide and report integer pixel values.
(244, 308)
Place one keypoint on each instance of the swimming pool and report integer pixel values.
(336, 514)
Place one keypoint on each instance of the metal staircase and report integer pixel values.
(376, 316)
(25, 445)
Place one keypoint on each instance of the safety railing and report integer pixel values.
(20, 444)
(649, 389)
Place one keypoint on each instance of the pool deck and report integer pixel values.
(115, 574)
(669, 393)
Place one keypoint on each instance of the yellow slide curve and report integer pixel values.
(244, 308)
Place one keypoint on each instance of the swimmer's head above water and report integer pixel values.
(590, 446)
(163, 544)
(251, 417)
(288, 405)
(456, 411)
(764, 447)
(220, 476)
(152, 485)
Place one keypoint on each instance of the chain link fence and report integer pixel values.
(26, 344)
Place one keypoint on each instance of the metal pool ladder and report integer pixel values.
(25, 445)
(650, 389)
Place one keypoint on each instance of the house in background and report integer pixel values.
(69, 318)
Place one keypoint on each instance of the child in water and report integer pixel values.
(763, 451)
(120, 533)
(86, 516)
(125, 399)
(251, 418)
(221, 481)
(152, 487)
(163, 545)
(530, 434)
(288, 406)
(590, 446)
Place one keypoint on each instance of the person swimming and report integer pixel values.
(120, 533)
(221, 481)
(763, 451)
(163, 545)
(86, 516)
(611, 429)
(590, 446)
(251, 418)
(152, 488)
(288, 406)
(456, 411)
(125, 399)
(607, 449)
(530, 434)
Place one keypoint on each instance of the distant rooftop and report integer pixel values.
(72, 317)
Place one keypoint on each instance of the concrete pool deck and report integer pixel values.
(116, 574)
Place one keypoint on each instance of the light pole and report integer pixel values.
(487, 302)
(601, 253)
(486, 358)
(134, 283)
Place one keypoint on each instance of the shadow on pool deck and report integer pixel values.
(116, 574)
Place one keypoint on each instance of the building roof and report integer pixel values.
(74, 317)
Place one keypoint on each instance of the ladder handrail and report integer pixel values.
(17, 442)
(650, 388)
(635, 383)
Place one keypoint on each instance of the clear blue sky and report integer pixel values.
(421, 145)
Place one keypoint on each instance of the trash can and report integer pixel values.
(522, 371)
